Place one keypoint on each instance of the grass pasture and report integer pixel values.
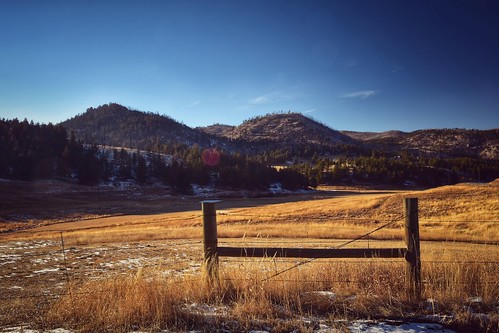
(140, 269)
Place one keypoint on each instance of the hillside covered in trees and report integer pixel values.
(34, 151)
(115, 125)
(112, 143)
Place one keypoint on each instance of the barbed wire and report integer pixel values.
(337, 247)
(343, 218)
(63, 267)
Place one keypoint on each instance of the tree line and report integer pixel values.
(32, 151)
(403, 169)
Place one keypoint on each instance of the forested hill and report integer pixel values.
(297, 135)
(115, 125)
(282, 128)
(435, 142)
(178, 156)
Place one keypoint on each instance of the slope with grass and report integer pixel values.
(463, 212)
(142, 272)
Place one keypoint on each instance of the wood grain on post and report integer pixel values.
(210, 239)
(413, 255)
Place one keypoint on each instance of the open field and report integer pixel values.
(136, 261)
(468, 212)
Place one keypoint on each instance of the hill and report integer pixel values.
(284, 129)
(115, 125)
(220, 130)
(434, 142)
(368, 136)
(452, 142)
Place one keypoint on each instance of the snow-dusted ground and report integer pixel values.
(387, 327)
(360, 326)
(21, 263)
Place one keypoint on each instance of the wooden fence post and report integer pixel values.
(210, 239)
(413, 255)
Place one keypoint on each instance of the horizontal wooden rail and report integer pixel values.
(411, 253)
(310, 253)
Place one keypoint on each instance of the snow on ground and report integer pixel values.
(43, 259)
(21, 329)
(386, 327)
(360, 326)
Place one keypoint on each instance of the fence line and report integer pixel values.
(411, 253)
(341, 218)
(63, 266)
(313, 259)
(55, 296)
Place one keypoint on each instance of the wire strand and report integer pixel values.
(337, 247)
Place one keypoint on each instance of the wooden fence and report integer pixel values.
(411, 252)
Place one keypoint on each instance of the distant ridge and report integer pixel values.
(447, 142)
(115, 125)
(366, 136)
(220, 130)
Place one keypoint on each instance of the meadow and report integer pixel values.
(141, 269)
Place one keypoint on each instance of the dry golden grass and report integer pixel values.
(458, 213)
(244, 298)
(453, 272)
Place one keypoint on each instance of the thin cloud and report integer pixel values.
(193, 104)
(260, 100)
(273, 97)
(309, 111)
(362, 94)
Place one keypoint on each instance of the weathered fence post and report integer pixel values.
(210, 239)
(413, 255)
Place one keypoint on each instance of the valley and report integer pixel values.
(146, 250)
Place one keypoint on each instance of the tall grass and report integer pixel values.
(245, 299)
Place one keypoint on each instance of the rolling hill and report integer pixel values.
(115, 125)
(435, 142)
(283, 129)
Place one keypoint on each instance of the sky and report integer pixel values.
(352, 65)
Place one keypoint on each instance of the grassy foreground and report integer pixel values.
(244, 300)
(459, 279)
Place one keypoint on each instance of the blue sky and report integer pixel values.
(353, 65)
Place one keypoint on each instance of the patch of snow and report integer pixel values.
(386, 327)
(206, 310)
(431, 305)
(203, 191)
(276, 188)
(324, 329)
(477, 299)
(46, 270)
(21, 329)
(7, 262)
(322, 293)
